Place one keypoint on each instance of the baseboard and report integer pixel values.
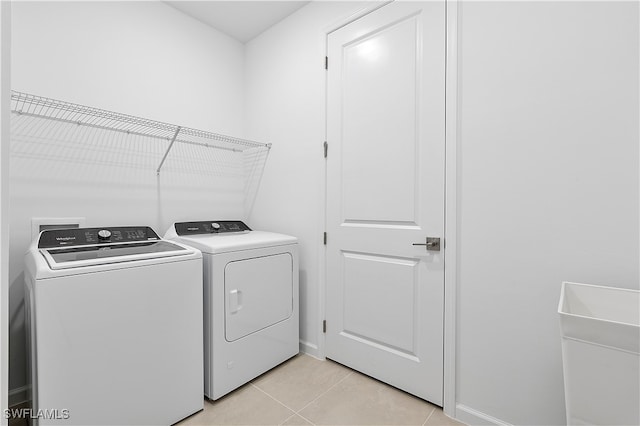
(19, 395)
(309, 349)
(470, 416)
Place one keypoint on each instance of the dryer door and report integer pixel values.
(258, 294)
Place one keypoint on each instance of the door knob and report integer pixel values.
(431, 243)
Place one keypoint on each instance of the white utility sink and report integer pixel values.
(601, 354)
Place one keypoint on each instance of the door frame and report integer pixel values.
(452, 146)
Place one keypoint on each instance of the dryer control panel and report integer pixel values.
(52, 238)
(211, 227)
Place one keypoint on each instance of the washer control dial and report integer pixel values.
(104, 234)
(215, 226)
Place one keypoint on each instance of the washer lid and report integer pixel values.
(73, 257)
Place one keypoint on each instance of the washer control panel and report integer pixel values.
(211, 227)
(87, 236)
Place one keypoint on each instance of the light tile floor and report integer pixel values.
(307, 391)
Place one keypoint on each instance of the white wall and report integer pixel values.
(139, 58)
(549, 123)
(284, 92)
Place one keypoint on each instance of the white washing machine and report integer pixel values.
(251, 300)
(115, 323)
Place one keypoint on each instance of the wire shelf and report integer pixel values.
(25, 104)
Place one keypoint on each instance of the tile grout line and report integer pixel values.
(309, 403)
(433, 410)
(306, 419)
(276, 400)
(295, 413)
(321, 395)
(288, 418)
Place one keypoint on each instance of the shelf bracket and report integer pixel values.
(175, 135)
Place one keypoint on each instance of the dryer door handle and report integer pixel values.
(235, 301)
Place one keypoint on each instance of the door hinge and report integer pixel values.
(324, 239)
(326, 149)
(326, 62)
(324, 326)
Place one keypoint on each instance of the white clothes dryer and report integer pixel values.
(251, 300)
(115, 327)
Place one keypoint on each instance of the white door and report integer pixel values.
(385, 192)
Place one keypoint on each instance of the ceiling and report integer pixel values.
(242, 20)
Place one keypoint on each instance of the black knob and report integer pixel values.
(215, 226)
(104, 234)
